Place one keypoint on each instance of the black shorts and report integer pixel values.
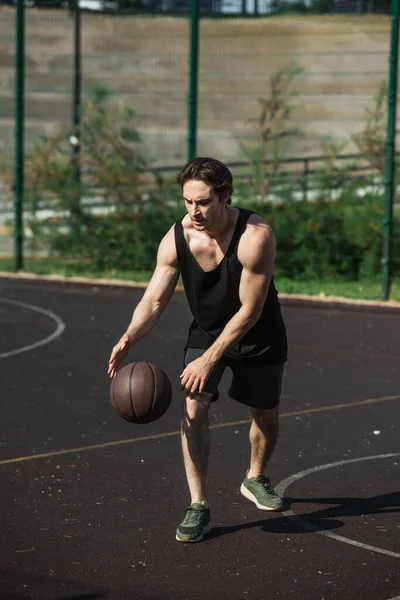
(255, 385)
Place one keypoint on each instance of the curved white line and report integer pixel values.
(283, 485)
(59, 329)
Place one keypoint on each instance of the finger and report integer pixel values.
(185, 380)
(194, 385)
(186, 385)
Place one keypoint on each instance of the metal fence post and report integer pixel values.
(305, 179)
(19, 133)
(76, 110)
(193, 78)
(390, 153)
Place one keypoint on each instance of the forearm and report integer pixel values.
(233, 331)
(144, 319)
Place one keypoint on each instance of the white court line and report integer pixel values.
(59, 329)
(283, 485)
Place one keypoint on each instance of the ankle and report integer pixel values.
(197, 501)
(253, 473)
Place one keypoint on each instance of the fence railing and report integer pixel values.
(327, 75)
(299, 176)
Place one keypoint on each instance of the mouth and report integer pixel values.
(197, 222)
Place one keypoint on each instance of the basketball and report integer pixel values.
(141, 392)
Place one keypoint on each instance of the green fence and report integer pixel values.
(296, 104)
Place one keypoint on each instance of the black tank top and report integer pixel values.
(213, 298)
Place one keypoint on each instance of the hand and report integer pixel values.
(195, 375)
(118, 354)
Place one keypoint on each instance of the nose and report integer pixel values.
(196, 211)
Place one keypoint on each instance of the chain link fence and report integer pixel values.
(281, 98)
(334, 67)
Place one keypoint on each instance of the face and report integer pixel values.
(203, 205)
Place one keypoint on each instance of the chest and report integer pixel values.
(207, 253)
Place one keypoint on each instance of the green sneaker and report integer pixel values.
(195, 524)
(260, 491)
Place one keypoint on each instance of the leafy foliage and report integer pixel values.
(114, 173)
(326, 238)
(371, 141)
(274, 127)
(336, 234)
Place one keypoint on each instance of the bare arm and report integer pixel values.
(256, 253)
(156, 297)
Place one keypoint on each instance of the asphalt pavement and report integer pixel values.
(89, 502)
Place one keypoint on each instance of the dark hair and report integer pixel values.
(212, 172)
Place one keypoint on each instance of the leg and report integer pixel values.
(263, 436)
(195, 437)
(194, 429)
(195, 449)
(260, 387)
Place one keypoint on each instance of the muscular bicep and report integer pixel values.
(257, 253)
(166, 273)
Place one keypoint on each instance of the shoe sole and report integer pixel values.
(206, 530)
(247, 494)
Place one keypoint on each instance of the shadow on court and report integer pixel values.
(94, 517)
(83, 597)
(49, 583)
(324, 519)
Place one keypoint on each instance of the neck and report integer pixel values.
(222, 225)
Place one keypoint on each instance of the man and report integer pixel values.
(226, 257)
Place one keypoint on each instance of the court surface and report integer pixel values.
(89, 503)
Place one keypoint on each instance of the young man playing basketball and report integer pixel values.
(226, 258)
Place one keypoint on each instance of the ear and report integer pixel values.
(224, 199)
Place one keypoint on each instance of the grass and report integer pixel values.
(360, 290)
(72, 268)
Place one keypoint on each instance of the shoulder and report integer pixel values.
(257, 243)
(257, 231)
(167, 248)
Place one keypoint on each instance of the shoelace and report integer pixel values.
(265, 482)
(191, 515)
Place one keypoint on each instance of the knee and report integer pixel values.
(195, 409)
(266, 419)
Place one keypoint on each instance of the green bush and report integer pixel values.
(116, 242)
(326, 238)
(337, 234)
(133, 203)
